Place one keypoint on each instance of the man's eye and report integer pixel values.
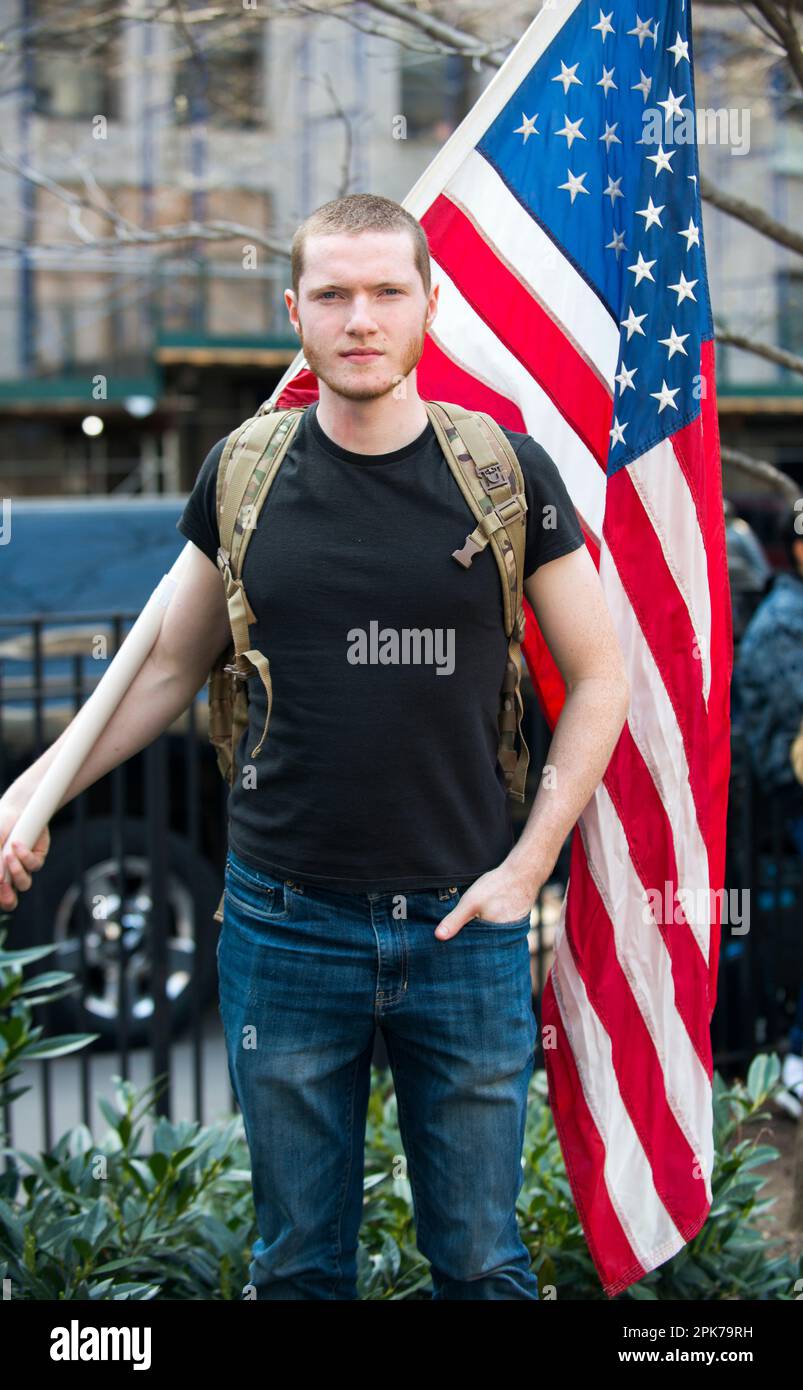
(389, 290)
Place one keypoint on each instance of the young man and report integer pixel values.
(372, 879)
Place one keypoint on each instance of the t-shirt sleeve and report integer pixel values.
(553, 528)
(198, 521)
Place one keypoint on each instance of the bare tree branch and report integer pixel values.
(738, 4)
(182, 231)
(755, 217)
(753, 19)
(762, 471)
(783, 25)
(772, 354)
(127, 233)
(345, 14)
(438, 29)
(345, 177)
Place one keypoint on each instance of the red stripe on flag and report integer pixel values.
(440, 378)
(522, 324)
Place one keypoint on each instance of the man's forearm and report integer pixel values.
(583, 741)
(153, 700)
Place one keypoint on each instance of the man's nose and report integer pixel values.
(360, 319)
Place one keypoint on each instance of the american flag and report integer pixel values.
(565, 230)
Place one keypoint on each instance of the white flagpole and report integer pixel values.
(96, 711)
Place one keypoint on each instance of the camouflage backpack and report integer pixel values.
(487, 471)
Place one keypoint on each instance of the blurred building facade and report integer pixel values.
(172, 345)
(257, 121)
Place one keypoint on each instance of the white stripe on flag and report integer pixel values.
(627, 1172)
(664, 492)
(538, 263)
(647, 966)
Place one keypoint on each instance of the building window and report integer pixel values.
(436, 93)
(790, 311)
(73, 78)
(222, 82)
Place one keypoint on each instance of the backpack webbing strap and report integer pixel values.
(256, 451)
(487, 470)
(484, 452)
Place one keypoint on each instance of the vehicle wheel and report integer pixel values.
(116, 926)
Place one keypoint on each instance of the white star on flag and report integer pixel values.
(665, 397)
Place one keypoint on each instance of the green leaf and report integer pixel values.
(46, 981)
(158, 1164)
(60, 1046)
(26, 955)
(762, 1075)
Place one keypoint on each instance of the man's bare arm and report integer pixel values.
(569, 603)
(568, 600)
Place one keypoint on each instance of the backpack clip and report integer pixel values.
(509, 509)
(491, 475)
(235, 671)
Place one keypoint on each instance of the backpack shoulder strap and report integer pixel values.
(248, 465)
(488, 473)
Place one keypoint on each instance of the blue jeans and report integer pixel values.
(305, 975)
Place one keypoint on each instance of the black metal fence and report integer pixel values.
(135, 872)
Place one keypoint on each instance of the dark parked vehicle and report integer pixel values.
(75, 575)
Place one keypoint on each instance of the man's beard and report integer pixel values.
(368, 390)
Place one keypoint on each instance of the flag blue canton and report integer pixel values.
(598, 145)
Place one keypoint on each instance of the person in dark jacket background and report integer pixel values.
(768, 680)
(749, 570)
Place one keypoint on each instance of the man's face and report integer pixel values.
(359, 291)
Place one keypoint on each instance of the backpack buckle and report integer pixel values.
(235, 670)
(465, 554)
(512, 508)
(491, 475)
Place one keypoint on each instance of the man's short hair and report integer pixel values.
(360, 212)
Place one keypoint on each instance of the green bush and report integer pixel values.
(123, 1219)
(116, 1219)
(728, 1259)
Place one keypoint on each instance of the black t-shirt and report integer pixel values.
(379, 768)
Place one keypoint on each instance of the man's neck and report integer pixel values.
(371, 427)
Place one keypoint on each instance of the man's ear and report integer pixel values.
(432, 305)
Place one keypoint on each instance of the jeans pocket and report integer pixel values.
(518, 922)
(253, 893)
